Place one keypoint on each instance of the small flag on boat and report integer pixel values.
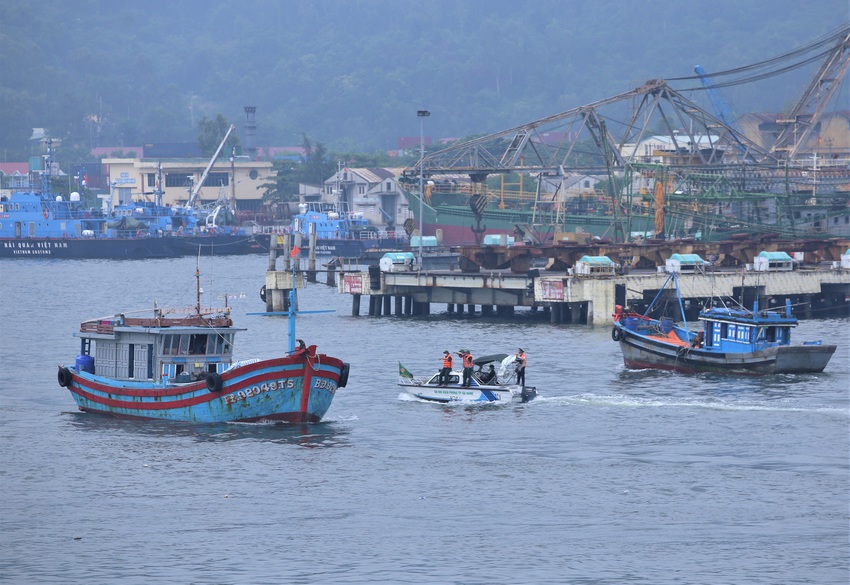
(402, 371)
(295, 251)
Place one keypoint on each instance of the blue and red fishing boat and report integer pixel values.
(179, 366)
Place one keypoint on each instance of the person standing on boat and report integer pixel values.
(443, 380)
(468, 363)
(521, 361)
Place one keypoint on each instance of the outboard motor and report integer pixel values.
(529, 393)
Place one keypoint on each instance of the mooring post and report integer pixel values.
(287, 257)
(273, 245)
(355, 305)
(575, 313)
(311, 259)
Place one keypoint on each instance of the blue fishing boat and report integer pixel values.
(179, 366)
(730, 341)
(341, 233)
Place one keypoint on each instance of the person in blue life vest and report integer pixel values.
(443, 380)
(468, 363)
(521, 360)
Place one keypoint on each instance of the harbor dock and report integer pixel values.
(578, 294)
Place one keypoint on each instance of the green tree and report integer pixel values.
(283, 185)
(212, 132)
(317, 165)
(312, 169)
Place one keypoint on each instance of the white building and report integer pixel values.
(374, 192)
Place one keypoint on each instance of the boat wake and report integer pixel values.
(623, 401)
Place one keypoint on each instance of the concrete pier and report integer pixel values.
(821, 289)
(591, 300)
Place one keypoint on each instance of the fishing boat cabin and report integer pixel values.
(162, 349)
(739, 330)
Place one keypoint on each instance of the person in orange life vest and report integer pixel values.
(443, 380)
(468, 362)
(521, 362)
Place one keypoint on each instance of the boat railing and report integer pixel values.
(104, 327)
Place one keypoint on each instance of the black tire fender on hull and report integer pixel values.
(214, 383)
(64, 377)
(616, 333)
(343, 374)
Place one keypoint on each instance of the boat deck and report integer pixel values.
(670, 338)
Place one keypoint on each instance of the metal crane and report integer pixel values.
(803, 118)
(721, 107)
(193, 194)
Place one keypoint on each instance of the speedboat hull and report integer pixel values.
(458, 393)
(297, 389)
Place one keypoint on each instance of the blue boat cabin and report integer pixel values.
(736, 330)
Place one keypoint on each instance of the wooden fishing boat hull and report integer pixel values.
(640, 351)
(296, 389)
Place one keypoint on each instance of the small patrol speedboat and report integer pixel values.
(481, 389)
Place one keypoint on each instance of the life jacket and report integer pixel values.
(468, 361)
(447, 361)
(521, 359)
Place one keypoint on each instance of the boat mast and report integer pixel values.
(48, 164)
(198, 285)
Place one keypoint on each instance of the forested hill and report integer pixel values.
(352, 74)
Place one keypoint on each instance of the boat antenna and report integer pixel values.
(198, 284)
(48, 166)
(292, 311)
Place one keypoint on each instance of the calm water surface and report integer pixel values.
(612, 476)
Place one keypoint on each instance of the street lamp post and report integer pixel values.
(422, 114)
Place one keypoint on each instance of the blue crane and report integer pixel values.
(722, 107)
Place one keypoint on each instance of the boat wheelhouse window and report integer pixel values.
(218, 344)
(170, 344)
(198, 344)
(174, 344)
(743, 333)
